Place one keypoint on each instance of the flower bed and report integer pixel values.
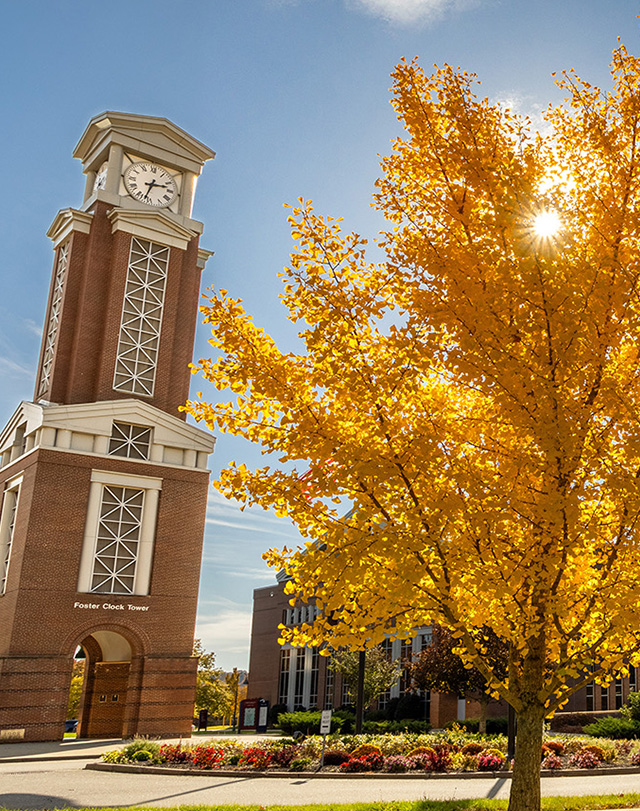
(451, 751)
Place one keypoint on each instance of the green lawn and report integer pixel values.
(587, 803)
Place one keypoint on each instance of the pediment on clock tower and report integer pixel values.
(153, 137)
(155, 226)
(90, 428)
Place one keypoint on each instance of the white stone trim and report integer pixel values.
(154, 226)
(53, 320)
(151, 487)
(8, 513)
(126, 480)
(66, 221)
(54, 426)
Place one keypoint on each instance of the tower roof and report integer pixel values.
(149, 136)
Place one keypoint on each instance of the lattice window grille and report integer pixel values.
(11, 507)
(139, 338)
(114, 565)
(130, 441)
(54, 319)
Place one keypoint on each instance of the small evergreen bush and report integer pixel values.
(615, 728)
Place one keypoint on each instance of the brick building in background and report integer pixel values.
(299, 677)
(103, 483)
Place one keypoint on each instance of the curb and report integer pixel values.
(41, 758)
(136, 769)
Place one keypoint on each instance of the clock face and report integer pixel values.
(151, 184)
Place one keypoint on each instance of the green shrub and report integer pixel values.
(307, 722)
(405, 725)
(616, 728)
(140, 745)
(141, 756)
(274, 711)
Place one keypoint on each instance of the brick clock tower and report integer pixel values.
(103, 485)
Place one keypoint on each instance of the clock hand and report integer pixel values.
(150, 185)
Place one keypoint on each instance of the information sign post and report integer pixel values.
(325, 729)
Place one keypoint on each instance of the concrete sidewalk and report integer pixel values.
(71, 749)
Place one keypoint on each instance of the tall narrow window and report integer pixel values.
(590, 697)
(54, 319)
(604, 698)
(285, 667)
(315, 671)
(387, 648)
(328, 688)
(298, 696)
(119, 536)
(632, 679)
(618, 693)
(114, 566)
(139, 340)
(7, 526)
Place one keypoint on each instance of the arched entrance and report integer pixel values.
(106, 684)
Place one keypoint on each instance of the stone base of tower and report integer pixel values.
(151, 696)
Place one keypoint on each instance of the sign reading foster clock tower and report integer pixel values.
(103, 485)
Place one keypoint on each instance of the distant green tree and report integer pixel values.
(380, 674)
(212, 691)
(75, 691)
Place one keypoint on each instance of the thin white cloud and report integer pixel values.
(525, 106)
(11, 367)
(409, 12)
(227, 634)
(32, 327)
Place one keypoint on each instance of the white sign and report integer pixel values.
(325, 722)
(110, 606)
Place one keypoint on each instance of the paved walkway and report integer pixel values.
(52, 775)
(71, 749)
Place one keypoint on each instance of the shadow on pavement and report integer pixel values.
(39, 801)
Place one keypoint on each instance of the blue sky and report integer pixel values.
(293, 95)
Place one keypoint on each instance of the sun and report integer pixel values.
(547, 224)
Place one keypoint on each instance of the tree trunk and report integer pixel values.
(482, 726)
(525, 784)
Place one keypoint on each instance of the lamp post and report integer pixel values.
(235, 699)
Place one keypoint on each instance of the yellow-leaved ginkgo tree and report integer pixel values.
(474, 398)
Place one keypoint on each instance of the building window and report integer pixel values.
(384, 698)
(139, 340)
(131, 441)
(328, 688)
(632, 679)
(119, 535)
(114, 567)
(346, 694)
(406, 655)
(7, 526)
(618, 693)
(285, 669)
(315, 672)
(604, 698)
(298, 696)
(590, 697)
(54, 319)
